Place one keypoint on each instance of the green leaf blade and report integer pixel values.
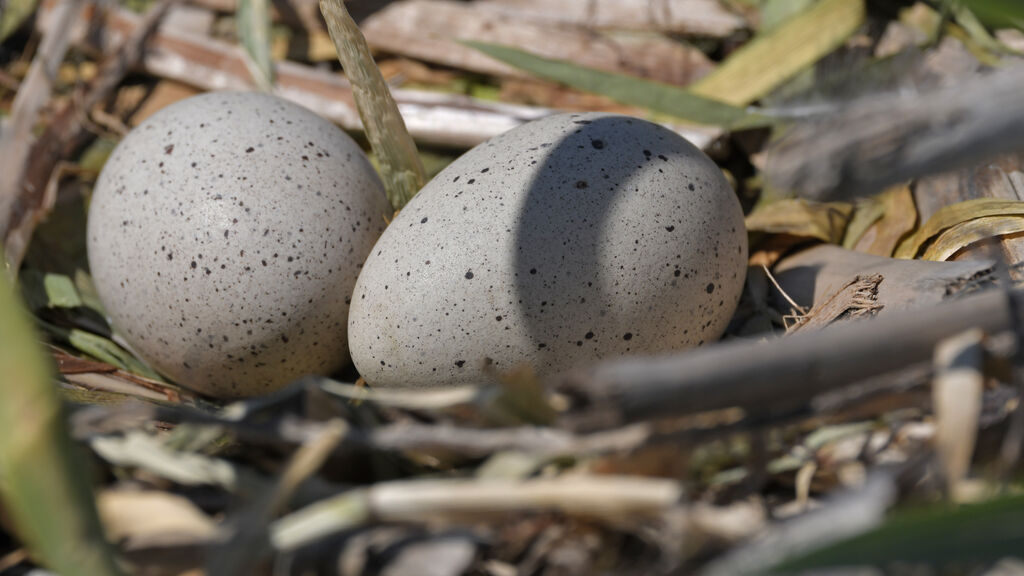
(42, 483)
(654, 96)
(771, 59)
(944, 535)
(253, 21)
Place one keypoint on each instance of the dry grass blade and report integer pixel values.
(400, 163)
(138, 450)
(617, 499)
(963, 235)
(431, 30)
(952, 215)
(41, 472)
(697, 17)
(418, 400)
(449, 120)
(765, 63)
(543, 442)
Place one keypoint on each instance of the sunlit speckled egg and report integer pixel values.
(225, 235)
(567, 240)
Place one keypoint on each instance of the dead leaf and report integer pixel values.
(865, 213)
(798, 217)
(899, 215)
(949, 216)
(963, 235)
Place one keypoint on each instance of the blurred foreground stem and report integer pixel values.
(400, 164)
(253, 21)
(44, 490)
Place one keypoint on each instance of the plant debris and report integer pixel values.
(863, 410)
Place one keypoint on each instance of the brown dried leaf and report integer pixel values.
(798, 217)
(954, 214)
(899, 215)
(963, 235)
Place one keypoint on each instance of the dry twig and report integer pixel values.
(432, 117)
(785, 372)
(15, 140)
(67, 134)
(615, 499)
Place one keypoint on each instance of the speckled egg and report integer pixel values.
(569, 239)
(225, 235)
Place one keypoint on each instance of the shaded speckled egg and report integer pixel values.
(225, 235)
(569, 239)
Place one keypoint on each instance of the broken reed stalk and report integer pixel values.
(400, 163)
(398, 437)
(789, 371)
(878, 141)
(448, 120)
(43, 480)
(610, 498)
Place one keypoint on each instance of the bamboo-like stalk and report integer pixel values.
(42, 484)
(400, 164)
(610, 498)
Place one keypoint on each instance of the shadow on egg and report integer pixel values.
(605, 198)
(566, 240)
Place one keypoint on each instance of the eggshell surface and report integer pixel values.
(569, 239)
(225, 235)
